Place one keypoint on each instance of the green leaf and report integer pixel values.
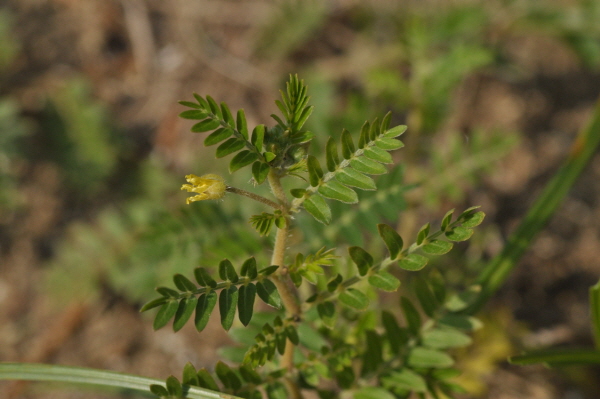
(429, 358)
(374, 130)
(395, 131)
(227, 115)
(363, 139)
(392, 240)
(373, 355)
(444, 338)
(276, 390)
(396, 336)
(447, 219)
(459, 234)
(362, 259)
(326, 311)
(212, 104)
(405, 379)
(227, 271)
(292, 334)
(337, 191)
(333, 159)
(227, 301)
(260, 171)
(183, 283)
(229, 379)
(205, 306)
(258, 136)
(250, 375)
(369, 166)
(422, 234)
(351, 177)
(206, 380)
(426, 297)
(249, 269)
(159, 390)
(241, 159)
(269, 156)
(354, 298)
(595, 312)
(297, 192)
(318, 208)
(389, 144)
(217, 136)
(190, 104)
(267, 271)
(201, 101)
(231, 145)
(413, 262)
(379, 155)
(302, 117)
(168, 292)
(193, 114)
(412, 316)
(241, 124)
(205, 126)
(315, 173)
(268, 293)
(348, 148)
(384, 281)
(165, 313)
(203, 278)
(334, 283)
(246, 303)
(557, 357)
(302, 137)
(190, 376)
(154, 303)
(385, 122)
(462, 322)
(174, 387)
(437, 247)
(472, 219)
(184, 312)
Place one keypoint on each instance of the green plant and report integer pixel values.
(330, 332)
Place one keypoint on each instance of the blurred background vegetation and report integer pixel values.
(92, 156)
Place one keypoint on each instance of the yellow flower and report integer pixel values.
(207, 187)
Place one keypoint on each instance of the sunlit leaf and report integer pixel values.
(318, 208)
(354, 298)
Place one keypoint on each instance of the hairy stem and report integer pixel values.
(281, 280)
(255, 197)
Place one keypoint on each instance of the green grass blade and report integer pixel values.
(80, 375)
(499, 268)
(557, 357)
(595, 310)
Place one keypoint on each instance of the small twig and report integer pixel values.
(255, 197)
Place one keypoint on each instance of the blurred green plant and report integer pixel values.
(79, 138)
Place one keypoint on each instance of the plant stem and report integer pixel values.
(281, 279)
(255, 197)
